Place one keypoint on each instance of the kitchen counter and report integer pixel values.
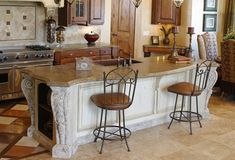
(149, 67)
(63, 94)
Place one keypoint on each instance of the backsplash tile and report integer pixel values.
(20, 23)
(27, 27)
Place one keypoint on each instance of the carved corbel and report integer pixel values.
(28, 88)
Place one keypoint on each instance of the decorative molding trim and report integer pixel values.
(28, 88)
(60, 106)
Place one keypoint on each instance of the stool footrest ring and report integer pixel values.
(184, 116)
(112, 132)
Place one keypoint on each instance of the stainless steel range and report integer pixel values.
(12, 60)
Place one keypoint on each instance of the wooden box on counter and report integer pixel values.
(68, 53)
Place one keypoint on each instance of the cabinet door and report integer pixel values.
(64, 15)
(164, 11)
(79, 12)
(97, 11)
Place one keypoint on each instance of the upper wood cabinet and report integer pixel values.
(82, 12)
(165, 12)
(97, 11)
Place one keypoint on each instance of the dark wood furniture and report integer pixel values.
(97, 52)
(165, 12)
(160, 49)
(118, 95)
(228, 66)
(82, 12)
(188, 89)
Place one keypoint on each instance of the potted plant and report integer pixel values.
(166, 40)
(230, 35)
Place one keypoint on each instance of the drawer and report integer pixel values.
(80, 53)
(105, 51)
(67, 60)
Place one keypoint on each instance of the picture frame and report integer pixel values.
(209, 22)
(155, 40)
(210, 5)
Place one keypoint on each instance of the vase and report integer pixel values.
(166, 40)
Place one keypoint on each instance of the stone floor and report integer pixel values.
(215, 141)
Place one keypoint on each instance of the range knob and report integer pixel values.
(4, 58)
(26, 56)
(17, 57)
(41, 56)
(36, 55)
(49, 55)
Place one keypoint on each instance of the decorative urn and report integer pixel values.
(91, 38)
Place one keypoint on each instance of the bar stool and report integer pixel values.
(119, 90)
(191, 90)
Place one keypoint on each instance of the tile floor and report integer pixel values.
(215, 141)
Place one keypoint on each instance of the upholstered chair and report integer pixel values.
(207, 46)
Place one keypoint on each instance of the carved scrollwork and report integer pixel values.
(28, 88)
(60, 106)
(211, 82)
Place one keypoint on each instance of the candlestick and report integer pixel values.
(174, 51)
(190, 30)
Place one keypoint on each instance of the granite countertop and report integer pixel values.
(82, 46)
(66, 75)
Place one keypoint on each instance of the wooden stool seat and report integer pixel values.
(111, 101)
(184, 88)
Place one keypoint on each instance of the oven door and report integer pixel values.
(6, 80)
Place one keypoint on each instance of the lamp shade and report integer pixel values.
(178, 3)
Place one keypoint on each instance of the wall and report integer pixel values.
(197, 21)
(191, 15)
(75, 33)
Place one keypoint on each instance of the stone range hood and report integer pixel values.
(46, 3)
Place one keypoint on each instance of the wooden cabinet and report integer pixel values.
(82, 12)
(96, 12)
(99, 53)
(79, 11)
(165, 12)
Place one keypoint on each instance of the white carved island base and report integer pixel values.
(75, 116)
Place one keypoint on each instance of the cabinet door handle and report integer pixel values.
(114, 34)
(91, 53)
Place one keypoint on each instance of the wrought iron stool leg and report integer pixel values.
(101, 118)
(119, 123)
(105, 119)
(174, 111)
(198, 113)
(190, 118)
(124, 126)
(182, 105)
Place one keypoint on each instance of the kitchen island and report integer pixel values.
(72, 117)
